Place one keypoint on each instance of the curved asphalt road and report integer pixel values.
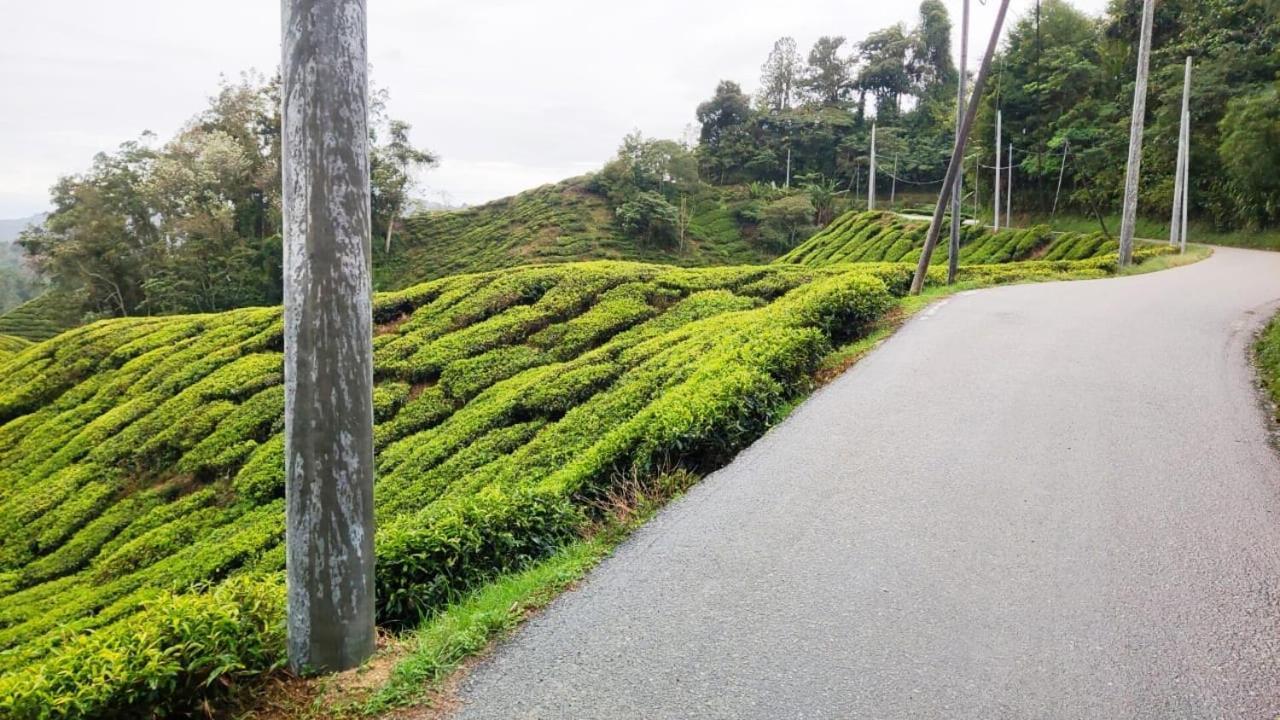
(1044, 501)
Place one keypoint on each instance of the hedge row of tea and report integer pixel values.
(886, 237)
(554, 223)
(41, 318)
(10, 345)
(1268, 352)
(141, 459)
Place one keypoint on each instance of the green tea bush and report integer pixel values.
(879, 236)
(181, 651)
(142, 459)
(1268, 355)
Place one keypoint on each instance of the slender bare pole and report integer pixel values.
(328, 333)
(1062, 171)
(1008, 192)
(893, 188)
(957, 155)
(871, 183)
(1186, 179)
(1174, 222)
(996, 204)
(953, 257)
(1133, 171)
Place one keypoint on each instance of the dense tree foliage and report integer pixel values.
(193, 225)
(1063, 81)
(818, 109)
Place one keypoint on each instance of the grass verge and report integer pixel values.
(1267, 352)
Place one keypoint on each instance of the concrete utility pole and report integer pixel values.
(1134, 168)
(1180, 176)
(953, 257)
(893, 187)
(328, 333)
(1186, 179)
(1008, 193)
(1062, 171)
(996, 205)
(957, 155)
(871, 182)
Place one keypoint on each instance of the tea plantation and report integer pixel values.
(885, 237)
(564, 222)
(41, 318)
(141, 458)
(10, 345)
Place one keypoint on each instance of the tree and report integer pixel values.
(728, 108)
(828, 78)
(647, 165)
(785, 220)
(931, 68)
(100, 236)
(392, 168)
(884, 74)
(194, 226)
(650, 217)
(1250, 152)
(780, 76)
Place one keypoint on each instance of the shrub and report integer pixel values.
(180, 652)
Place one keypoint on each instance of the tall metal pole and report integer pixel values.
(328, 332)
(871, 177)
(996, 204)
(1008, 193)
(953, 257)
(1133, 170)
(957, 155)
(1186, 179)
(1179, 176)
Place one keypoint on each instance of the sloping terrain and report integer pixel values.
(554, 223)
(10, 346)
(886, 237)
(41, 318)
(142, 456)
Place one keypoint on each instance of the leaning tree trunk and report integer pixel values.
(328, 330)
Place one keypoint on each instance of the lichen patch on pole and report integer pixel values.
(328, 330)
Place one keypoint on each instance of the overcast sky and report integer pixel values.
(510, 93)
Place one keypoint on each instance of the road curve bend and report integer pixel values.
(1041, 501)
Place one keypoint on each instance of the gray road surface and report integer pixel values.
(1043, 501)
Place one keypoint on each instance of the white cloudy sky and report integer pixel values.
(510, 93)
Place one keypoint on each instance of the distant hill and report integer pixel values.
(563, 222)
(11, 227)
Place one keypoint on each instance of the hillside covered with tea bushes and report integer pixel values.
(143, 456)
(10, 345)
(564, 222)
(886, 237)
(42, 317)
